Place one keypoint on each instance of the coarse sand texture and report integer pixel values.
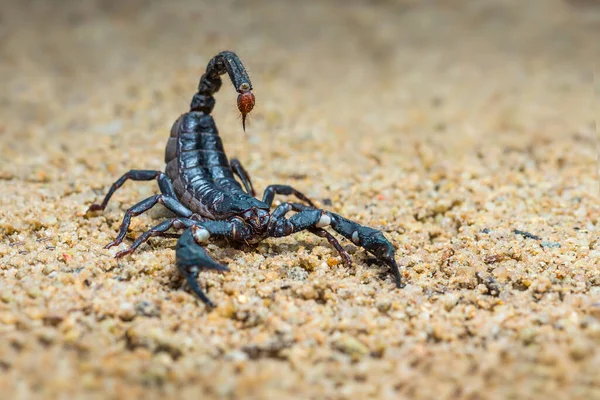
(465, 130)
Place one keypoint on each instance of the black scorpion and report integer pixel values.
(199, 187)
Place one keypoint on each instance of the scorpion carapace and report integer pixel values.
(199, 187)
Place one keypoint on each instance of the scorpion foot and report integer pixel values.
(95, 207)
(124, 253)
(111, 244)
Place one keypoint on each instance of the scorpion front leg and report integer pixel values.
(307, 218)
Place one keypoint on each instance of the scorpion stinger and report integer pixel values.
(245, 103)
(199, 187)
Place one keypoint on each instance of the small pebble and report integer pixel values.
(147, 309)
(298, 273)
(126, 311)
(351, 346)
(550, 244)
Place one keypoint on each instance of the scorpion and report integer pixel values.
(198, 186)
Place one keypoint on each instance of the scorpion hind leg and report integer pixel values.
(136, 175)
(169, 202)
(159, 230)
(241, 172)
(191, 258)
(286, 190)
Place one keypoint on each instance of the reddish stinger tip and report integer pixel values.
(245, 103)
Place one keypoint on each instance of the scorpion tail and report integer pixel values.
(210, 82)
(191, 258)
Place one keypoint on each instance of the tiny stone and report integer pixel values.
(297, 274)
(580, 350)
(351, 346)
(47, 335)
(308, 292)
(527, 335)
(126, 311)
(147, 309)
(8, 318)
(383, 305)
(236, 356)
(449, 301)
(550, 244)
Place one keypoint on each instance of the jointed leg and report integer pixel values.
(334, 242)
(170, 202)
(190, 255)
(159, 230)
(271, 190)
(279, 215)
(164, 183)
(240, 171)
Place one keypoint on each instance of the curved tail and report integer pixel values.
(210, 82)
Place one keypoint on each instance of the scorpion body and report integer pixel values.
(199, 187)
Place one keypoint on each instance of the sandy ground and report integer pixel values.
(448, 125)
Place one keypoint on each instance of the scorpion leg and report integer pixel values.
(191, 256)
(170, 202)
(284, 208)
(240, 171)
(271, 190)
(159, 230)
(164, 183)
(370, 239)
(334, 242)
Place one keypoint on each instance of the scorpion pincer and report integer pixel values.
(199, 187)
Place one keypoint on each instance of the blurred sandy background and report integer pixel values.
(448, 125)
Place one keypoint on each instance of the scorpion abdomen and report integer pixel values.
(200, 171)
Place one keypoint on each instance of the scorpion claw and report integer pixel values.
(191, 258)
(386, 254)
(394, 267)
(193, 284)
